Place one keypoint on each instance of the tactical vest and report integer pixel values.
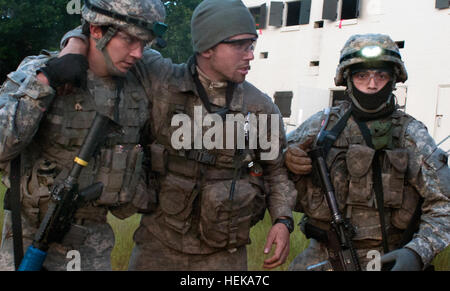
(349, 161)
(61, 133)
(195, 214)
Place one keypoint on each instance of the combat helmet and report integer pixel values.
(140, 18)
(369, 48)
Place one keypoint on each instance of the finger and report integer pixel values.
(301, 161)
(307, 144)
(296, 151)
(300, 170)
(279, 257)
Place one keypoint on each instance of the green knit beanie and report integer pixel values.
(217, 20)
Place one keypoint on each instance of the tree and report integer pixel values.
(26, 27)
(178, 36)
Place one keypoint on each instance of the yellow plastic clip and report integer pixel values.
(80, 162)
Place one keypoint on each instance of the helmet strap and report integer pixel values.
(101, 46)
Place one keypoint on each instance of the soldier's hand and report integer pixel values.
(278, 235)
(69, 68)
(405, 260)
(297, 160)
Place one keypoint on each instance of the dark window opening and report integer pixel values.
(259, 14)
(400, 44)
(338, 96)
(284, 100)
(318, 24)
(293, 13)
(314, 64)
(256, 15)
(264, 55)
(350, 9)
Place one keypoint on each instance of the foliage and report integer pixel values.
(26, 27)
(178, 36)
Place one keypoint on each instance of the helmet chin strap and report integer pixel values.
(360, 107)
(101, 46)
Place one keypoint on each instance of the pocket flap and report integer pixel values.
(359, 160)
(398, 158)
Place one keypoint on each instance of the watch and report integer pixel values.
(287, 222)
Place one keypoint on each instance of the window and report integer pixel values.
(259, 14)
(264, 55)
(298, 12)
(293, 13)
(283, 100)
(400, 44)
(338, 96)
(318, 24)
(350, 9)
(314, 64)
(442, 4)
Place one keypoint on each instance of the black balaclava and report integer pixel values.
(372, 106)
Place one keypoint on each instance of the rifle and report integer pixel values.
(343, 256)
(65, 198)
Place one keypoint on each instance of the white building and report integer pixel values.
(300, 41)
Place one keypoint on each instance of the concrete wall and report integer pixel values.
(424, 29)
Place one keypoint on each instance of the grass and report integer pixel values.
(124, 230)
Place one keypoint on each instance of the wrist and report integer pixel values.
(287, 222)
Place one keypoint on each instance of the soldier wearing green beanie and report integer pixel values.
(199, 223)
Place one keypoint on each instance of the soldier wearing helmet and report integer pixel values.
(47, 130)
(390, 179)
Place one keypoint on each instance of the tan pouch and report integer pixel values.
(394, 170)
(402, 216)
(225, 222)
(176, 200)
(359, 164)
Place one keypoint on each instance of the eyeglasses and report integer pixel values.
(363, 77)
(131, 41)
(244, 45)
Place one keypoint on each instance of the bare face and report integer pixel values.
(230, 59)
(370, 81)
(125, 50)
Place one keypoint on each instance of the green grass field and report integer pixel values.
(124, 230)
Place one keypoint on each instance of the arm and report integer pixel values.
(430, 175)
(23, 101)
(281, 198)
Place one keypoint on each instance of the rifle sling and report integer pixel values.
(14, 200)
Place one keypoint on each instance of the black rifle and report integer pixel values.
(65, 198)
(343, 256)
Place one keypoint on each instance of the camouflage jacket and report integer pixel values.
(421, 170)
(184, 210)
(49, 129)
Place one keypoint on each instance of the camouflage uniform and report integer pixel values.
(412, 167)
(48, 130)
(195, 226)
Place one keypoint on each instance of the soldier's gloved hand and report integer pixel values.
(297, 160)
(70, 68)
(405, 260)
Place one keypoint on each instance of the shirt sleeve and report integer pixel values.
(23, 101)
(429, 174)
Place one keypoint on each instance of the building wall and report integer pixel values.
(424, 29)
